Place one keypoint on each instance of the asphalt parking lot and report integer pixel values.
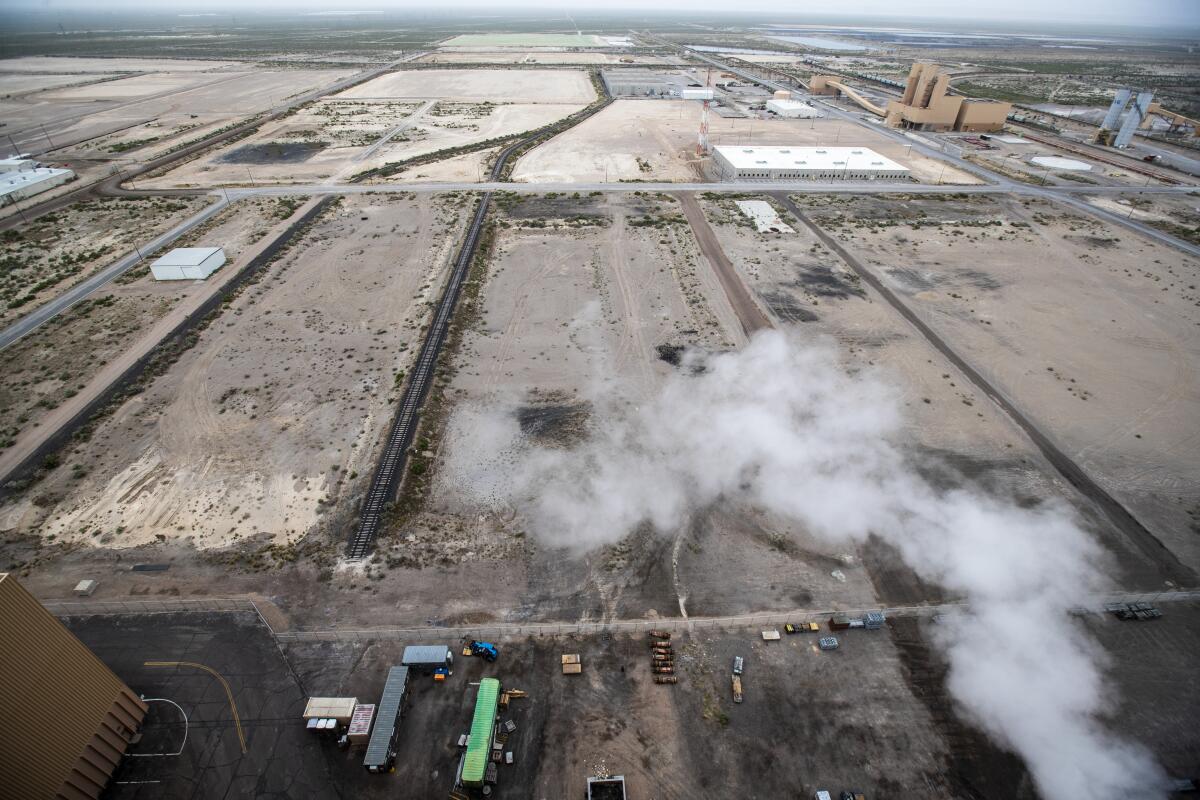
(197, 656)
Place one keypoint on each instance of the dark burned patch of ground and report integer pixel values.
(824, 281)
(561, 423)
(905, 209)
(978, 280)
(977, 769)
(912, 280)
(895, 582)
(786, 307)
(950, 469)
(273, 153)
(553, 206)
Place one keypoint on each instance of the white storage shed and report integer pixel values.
(188, 264)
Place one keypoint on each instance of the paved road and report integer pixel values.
(812, 187)
(749, 314)
(85, 287)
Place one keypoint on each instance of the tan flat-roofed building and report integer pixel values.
(67, 718)
(928, 106)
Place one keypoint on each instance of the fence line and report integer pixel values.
(434, 634)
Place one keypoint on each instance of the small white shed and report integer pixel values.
(188, 264)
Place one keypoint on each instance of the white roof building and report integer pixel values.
(737, 163)
(188, 263)
(794, 109)
(22, 177)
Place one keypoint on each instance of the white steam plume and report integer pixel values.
(785, 427)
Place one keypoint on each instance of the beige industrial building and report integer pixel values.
(67, 718)
(738, 163)
(927, 104)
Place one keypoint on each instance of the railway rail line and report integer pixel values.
(390, 469)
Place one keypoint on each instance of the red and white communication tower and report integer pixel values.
(706, 95)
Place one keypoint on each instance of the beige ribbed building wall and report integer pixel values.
(67, 718)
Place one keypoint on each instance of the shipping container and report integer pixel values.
(427, 657)
(380, 747)
(482, 727)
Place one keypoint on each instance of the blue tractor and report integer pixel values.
(485, 650)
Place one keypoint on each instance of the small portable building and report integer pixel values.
(427, 657)
(188, 264)
(338, 708)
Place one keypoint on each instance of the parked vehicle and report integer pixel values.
(485, 650)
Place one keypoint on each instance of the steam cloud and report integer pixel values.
(785, 427)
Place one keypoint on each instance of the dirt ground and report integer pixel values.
(538, 57)
(1173, 214)
(345, 148)
(148, 113)
(477, 85)
(72, 65)
(655, 140)
(266, 422)
(1047, 304)
(810, 719)
(59, 249)
(59, 358)
(1015, 161)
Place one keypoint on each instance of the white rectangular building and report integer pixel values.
(792, 109)
(188, 264)
(24, 177)
(737, 163)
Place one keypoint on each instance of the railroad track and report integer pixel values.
(390, 470)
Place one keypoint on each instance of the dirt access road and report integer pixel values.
(749, 314)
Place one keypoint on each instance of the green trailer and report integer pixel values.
(483, 726)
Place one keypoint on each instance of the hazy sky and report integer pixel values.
(1182, 13)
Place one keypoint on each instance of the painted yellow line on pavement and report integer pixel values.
(237, 721)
